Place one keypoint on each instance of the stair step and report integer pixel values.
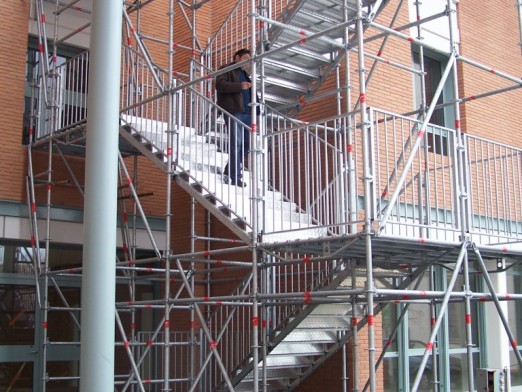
(273, 386)
(332, 310)
(286, 362)
(298, 349)
(325, 323)
(316, 336)
(274, 373)
(137, 136)
(225, 211)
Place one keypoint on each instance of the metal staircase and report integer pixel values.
(299, 44)
(302, 337)
(295, 72)
(305, 339)
(198, 170)
(323, 31)
(304, 42)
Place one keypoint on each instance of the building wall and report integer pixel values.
(495, 44)
(489, 35)
(13, 49)
(496, 117)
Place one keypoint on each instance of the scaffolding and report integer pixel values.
(341, 217)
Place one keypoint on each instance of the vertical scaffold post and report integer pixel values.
(168, 211)
(423, 179)
(463, 189)
(368, 198)
(260, 164)
(255, 193)
(349, 141)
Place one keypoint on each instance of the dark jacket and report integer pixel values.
(229, 94)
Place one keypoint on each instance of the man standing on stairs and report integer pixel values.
(234, 95)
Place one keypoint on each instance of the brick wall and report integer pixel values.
(490, 35)
(496, 117)
(13, 49)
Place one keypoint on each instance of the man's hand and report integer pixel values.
(245, 85)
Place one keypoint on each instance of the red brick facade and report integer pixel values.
(13, 50)
(488, 34)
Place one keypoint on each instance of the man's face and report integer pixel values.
(245, 57)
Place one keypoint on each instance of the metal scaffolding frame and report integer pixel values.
(345, 232)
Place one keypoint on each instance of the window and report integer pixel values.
(437, 137)
(403, 360)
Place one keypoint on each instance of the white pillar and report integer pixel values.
(101, 175)
(498, 346)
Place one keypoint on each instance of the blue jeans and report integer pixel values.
(239, 145)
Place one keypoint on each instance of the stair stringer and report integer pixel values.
(144, 146)
(222, 212)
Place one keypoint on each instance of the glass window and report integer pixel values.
(432, 78)
(16, 376)
(419, 321)
(18, 259)
(451, 370)
(17, 314)
(391, 370)
(458, 363)
(433, 69)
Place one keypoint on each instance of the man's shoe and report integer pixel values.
(228, 180)
(238, 183)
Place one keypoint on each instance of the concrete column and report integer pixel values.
(497, 341)
(101, 175)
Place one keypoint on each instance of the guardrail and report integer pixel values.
(495, 191)
(306, 164)
(311, 174)
(428, 204)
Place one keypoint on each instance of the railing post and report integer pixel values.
(255, 142)
(422, 179)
